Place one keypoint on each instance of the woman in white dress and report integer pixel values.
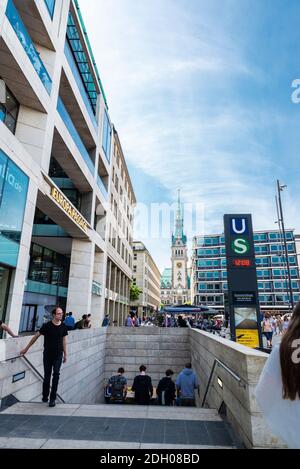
(278, 389)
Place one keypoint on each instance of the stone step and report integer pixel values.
(36, 425)
(114, 410)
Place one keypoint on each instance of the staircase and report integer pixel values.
(35, 425)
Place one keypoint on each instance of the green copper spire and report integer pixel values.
(179, 234)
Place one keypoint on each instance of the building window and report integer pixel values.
(13, 194)
(9, 111)
(106, 136)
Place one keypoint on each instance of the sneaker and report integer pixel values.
(52, 403)
(45, 399)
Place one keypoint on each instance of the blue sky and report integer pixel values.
(200, 93)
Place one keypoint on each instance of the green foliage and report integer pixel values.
(134, 292)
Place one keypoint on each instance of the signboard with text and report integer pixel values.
(243, 300)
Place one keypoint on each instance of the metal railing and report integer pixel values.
(225, 367)
(28, 45)
(33, 369)
(61, 108)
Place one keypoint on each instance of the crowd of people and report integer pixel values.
(168, 392)
(273, 325)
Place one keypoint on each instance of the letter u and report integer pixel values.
(234, 227)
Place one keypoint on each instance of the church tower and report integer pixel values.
(180, 279)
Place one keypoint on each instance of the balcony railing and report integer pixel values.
(102, 187)
(74, 134)
(27, 44)
(76, 74)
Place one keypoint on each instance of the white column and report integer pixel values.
(98, 302)
(81, 278)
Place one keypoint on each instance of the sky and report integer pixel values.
(201, 96)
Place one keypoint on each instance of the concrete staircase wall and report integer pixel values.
(81, 378)
(156, 348)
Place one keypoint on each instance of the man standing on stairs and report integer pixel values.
(142, 387)
(186, 383)
(55, 351)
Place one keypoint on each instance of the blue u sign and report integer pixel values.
(239, 226)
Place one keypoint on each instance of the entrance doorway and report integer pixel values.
(28, 318)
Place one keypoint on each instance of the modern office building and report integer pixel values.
(57, 154)
(210, 274)
(119, 250)
(146, 276)
(175, 281)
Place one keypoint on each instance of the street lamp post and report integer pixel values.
(285, 288)
(280, 189)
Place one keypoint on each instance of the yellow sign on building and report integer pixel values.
(68, 208)
(248, 337)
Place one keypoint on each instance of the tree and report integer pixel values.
(134, 292)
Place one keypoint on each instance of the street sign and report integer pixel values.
(243, 300)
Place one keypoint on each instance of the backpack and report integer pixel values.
(117, 385)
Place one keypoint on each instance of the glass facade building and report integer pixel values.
(61, 242)
(13, 193)
(210, 274)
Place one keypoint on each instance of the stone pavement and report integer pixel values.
(35, 425)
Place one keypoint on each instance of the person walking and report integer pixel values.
(106, 321)
(55, 352)
(267, 329)
(166, 391)
(281, 377)
(142, 387)
(129, 321)
(186, 383)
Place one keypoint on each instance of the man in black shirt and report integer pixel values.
(142, 387)
(55, 351)
(166, 391)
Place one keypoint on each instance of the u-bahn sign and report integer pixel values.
(243, 300)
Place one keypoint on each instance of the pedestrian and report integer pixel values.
(267, 329)
(285, 324)
(181, 322)
(129, 322)
(281, 376)
(116, 389)
(88, 322)
(166, 391)
(5, 328)
(186, 383)
(70, 322)
(81, 324)
(106, 321)
(142, 387)
(55, 352)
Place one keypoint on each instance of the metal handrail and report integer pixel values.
(33, 368)
(232, 373)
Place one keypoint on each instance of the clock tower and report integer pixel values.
(180, 280)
